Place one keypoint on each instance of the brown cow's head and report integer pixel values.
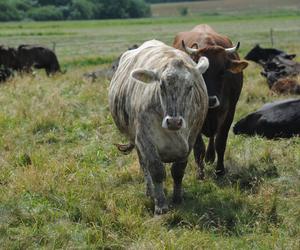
(222, 64)
(175, 83)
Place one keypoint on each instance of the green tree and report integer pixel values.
(138, 8)
(81, 9)
(54, 2)
(46, 13)
(8, 12)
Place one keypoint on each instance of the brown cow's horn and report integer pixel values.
(233, 49)
(188, 50)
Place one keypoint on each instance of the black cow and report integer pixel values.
(261, 55)
(281, 75)
(5, 73)
(38, 57)
(8, 58)
(115, 63)
(279, 119)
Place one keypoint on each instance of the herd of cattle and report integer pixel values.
(165, 99)
(26, 57)
(281, 71)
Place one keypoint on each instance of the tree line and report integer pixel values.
(42, 10)
(172, 1)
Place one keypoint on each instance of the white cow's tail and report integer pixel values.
(125, 148)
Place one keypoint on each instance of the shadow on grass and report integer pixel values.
(228, 211)
(226, 205)
(247, 179)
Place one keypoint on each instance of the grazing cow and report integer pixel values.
(115, 63)
(106, 72)
(158, 99)
(38, 57)
(279, 119)
(261, 55)
(224, 79)
(8, 58)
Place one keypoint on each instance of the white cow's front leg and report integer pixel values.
(150, 163)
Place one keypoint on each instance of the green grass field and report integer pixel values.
(64, 185)
(219, 7)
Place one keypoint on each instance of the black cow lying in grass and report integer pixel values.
(262, 55)
(279, 69)
(279, 119)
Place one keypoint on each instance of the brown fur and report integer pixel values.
(224, 79)
(286, 86)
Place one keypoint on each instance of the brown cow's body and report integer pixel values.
(287, 86)
(224, 79)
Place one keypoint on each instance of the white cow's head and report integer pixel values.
(176, 84)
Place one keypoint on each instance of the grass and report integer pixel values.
(63, 184)
(233, 7)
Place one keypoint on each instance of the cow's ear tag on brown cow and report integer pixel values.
(145, 76)
(237, 66)
(213, 102)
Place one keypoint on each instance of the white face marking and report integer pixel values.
(165, 124)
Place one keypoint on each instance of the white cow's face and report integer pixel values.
(176, 82)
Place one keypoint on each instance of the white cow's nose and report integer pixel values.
(173, 123)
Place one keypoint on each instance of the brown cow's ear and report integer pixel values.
(237, 66)
(145, 76)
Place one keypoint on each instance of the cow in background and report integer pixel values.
(38, 57)
(280, 119)
(224, 79)
(9, 58)
(5, 73)
(262, 55)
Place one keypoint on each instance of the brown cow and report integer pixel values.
(224, 79)
(287, 86)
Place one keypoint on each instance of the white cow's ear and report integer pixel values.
(203, 64)
(143, 75)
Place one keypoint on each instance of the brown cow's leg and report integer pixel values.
(210, 153)
(221, 141)
(199, 153)
(177, 171)
(151, 163)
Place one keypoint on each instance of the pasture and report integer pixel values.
(63, 184)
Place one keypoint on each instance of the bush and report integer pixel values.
(183, 11)
(138, 8)
(42, 10)
(81, 9)
(46, 13)
(8, 12)
(125, 9)
(22, 5)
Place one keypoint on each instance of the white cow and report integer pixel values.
(158, 99)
